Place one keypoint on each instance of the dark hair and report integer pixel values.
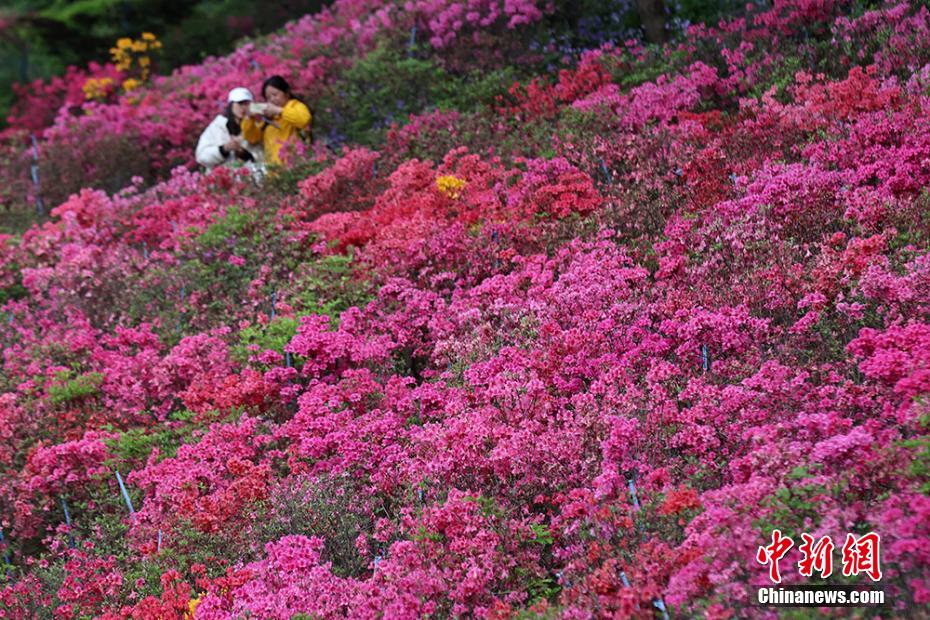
(278, 82)
(281, 84)
(232, 125)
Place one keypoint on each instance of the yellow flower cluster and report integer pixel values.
(192, 608)
(128, 50)
(97, 88)
(450, 185)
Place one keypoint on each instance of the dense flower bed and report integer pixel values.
(574, 351)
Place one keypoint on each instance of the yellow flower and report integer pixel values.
(128, 50)
(192, 607)
(96, 88)
(131, 84)
(450, 186)
(121, 58)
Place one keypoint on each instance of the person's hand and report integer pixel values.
(233, 146)
(272, 109)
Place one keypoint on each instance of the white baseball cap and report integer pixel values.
(240, 94)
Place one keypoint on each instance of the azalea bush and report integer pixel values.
(565, 341)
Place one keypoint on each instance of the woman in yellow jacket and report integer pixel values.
(283, 119)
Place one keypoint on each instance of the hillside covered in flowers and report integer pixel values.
(532, 330)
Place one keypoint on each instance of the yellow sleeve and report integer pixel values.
(295, 113)
(251, 130)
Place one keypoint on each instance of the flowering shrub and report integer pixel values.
(450, 185)
(326, 192)
(38, 103)
(129, 52)
(164, 115)
(290, 579)
(447, 20)
(576, 367)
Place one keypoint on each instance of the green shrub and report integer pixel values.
(13, 292)
(329, 285)
(68, 390)
(104, 161)
(324, 507)
(232, 224)
(385, 86)
(285, 179)
(920, 464)
(273, 336)
(136, 444)
(481, 89)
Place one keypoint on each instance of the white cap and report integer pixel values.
(240, 94)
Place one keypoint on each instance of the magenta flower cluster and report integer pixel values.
(586, 384)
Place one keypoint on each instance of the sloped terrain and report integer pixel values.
(556, 335)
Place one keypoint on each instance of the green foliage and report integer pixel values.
(66, 389)
(919, 467)
(541, 534)
(253, 236)
(538, 588)
(547, 613)
(385, 86)
(488, 506)
(103, 520)
(794, 508)
(273, 336)
(482, 88)
(781, 76)
(326, 285)
(216, 25)
(51, 577)
(117, 159)
(205, 271)
(188, 544)
(195, 293)
(329, 285)
(582, 129)
(136, 444)
(324, 507)
(424, 534)
(284, 181)
(629, 72)
(834, 332)
(530, 139)
(232, 224)
(708, 11)
(13, 292)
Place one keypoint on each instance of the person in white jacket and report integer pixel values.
(222, 144)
